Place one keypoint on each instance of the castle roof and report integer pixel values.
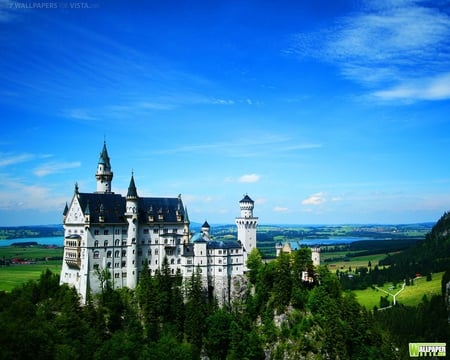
(132, 192)
(247, 199)
(225, 244)
(206, 225)
(104, 158)
(112, 207)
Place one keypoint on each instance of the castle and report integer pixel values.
(104, 231)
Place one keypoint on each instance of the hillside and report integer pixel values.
(17, 232)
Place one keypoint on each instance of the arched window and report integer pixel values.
(109, 254)
(117, 253)
(172, 261)
(96, 243)
(105, 244)
(96, 254)
(117, 242)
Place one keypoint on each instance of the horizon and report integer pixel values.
(323, 113)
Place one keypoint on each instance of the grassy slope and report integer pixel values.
(15, 275)
(411, 295)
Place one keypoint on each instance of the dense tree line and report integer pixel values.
(291, 310)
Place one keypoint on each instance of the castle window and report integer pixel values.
(124, 263)
(117, 242)
(116, 265)
(96, 254)
(175, 231)
(95, 267)
(124, 274)
(179, 261)
(108, 265)
(96, 243)
(220, 269)
(172, 261)
(105, 243)
(117, 231)
(109, 254)
(149, 251)
(145, 231)
(124, 253)
(96, 232)
(117, 253)
(155, 231)
(116, 275)
(173, 271)
(105, 232)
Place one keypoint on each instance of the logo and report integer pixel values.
(426, 349)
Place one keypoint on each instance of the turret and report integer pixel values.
(206, 229)
(246, 227)
(104, 175)
(131, 215)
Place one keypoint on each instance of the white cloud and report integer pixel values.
(384, 44)
(280, 209)
(314, 199)
(437, 88)
(9, 159)
(51, 168)
(249, 178)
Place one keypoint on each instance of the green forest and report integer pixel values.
(278, 316)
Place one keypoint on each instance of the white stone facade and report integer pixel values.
(119, 234)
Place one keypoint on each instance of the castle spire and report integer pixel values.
(132, 192)
(104, 174)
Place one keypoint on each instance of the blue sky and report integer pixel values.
(324, 112)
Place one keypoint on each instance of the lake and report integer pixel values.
(54, 240)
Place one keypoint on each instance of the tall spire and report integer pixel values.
(104, 174)
(132, 192)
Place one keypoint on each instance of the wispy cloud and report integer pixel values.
(386, 46)
(315, 199)
(249, 178)
(11, 159)
(280, 209)
(54, 167)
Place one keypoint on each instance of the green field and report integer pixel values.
(410, 296)
(43, 258)
(16, 275)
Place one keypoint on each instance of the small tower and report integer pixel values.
(131, 215)
(206, 229)
(246, 227)
(104, 174)
(315, 255)
(278, 248)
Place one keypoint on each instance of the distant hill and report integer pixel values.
(17, 232)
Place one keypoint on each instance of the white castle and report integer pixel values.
(104, 231)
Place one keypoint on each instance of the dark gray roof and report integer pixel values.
(112, 207)
(226, 244)
(206, 225)
(132, 192)
(104, 158)
(247, 199)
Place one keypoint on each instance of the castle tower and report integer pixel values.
(206, 229)
(315, 255)
(131, 216)
(104, 174)
(246, 227)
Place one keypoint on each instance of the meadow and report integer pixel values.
(41, 258)
(411, 295)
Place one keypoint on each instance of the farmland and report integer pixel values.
(21, 264)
